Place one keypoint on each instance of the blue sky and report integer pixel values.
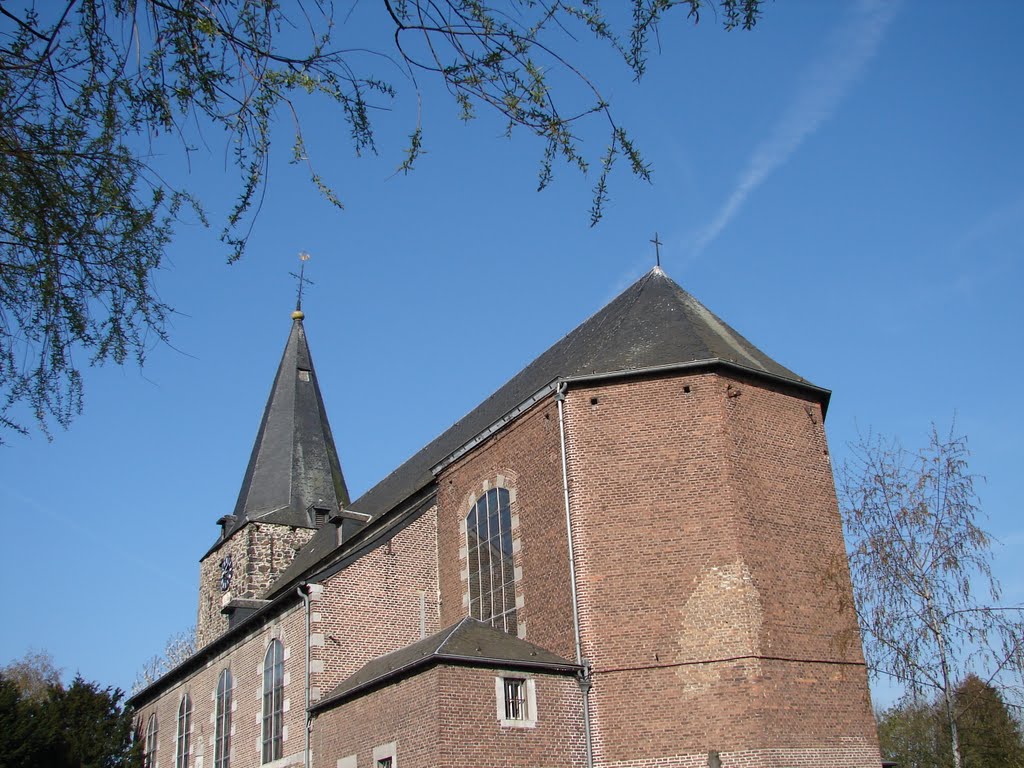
(844, 185)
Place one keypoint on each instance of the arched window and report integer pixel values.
(492, 589)
(184, 731)
(149, 748)
(222, 722)
(273, 702)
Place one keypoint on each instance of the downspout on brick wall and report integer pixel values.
(303, 592)
(584, 676)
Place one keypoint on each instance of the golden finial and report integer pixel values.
(302, 280)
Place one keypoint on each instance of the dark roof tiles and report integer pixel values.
(294, 464)
(652, 323)
(467, 642)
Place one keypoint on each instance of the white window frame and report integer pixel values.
(222, 720)
(272, 731)
(530, 720)
(387, 751)
(183, 743)
(152, 742)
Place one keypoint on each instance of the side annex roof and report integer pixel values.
(467, 643)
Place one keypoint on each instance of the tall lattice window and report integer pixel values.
(149, 750)
(184, 731)
(273, 702)
(492, 589)
(222, 722)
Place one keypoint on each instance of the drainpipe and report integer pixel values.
(584, 675)
(303, 591)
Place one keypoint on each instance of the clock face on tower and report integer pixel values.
(225, 574)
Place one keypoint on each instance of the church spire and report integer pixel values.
(294, 477)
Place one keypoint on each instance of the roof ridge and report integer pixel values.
(455, 628)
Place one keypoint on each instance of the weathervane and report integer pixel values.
(302, 281)
(657, 249)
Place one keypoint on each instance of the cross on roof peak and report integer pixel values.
(657, 250)
(302, 281)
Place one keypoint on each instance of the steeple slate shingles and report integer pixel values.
(294, 464)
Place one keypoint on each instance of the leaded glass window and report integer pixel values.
(492, 589)
(184, 731)
(222, 722)
(273, 702)
(149, 752)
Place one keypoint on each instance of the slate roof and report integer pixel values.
(652, 324)
(294, 464)
(469, 642)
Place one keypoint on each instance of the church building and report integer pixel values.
(629, 555)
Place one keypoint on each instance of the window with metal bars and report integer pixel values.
(273, 702)
(492, 589)
(515, 699)
(222, 722)
(184, 731)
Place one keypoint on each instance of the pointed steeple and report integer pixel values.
(294, 470)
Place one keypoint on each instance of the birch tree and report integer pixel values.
(928, 605)
(179, 647)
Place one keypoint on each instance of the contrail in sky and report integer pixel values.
(822, 88)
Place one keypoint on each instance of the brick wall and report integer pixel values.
(406, 713)
(524, 458)
(377, 604)
(259, 553)
(374, 606)
(788, 521)
(703, 516)
(446, 717)
(707, 539)
(245, 660)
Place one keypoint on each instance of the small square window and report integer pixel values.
(516, 701)
(385, 762)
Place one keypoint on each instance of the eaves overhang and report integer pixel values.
(281, 598)
(821, 395)
(215, 646)
(375, 533)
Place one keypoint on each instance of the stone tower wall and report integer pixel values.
(259, 553)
